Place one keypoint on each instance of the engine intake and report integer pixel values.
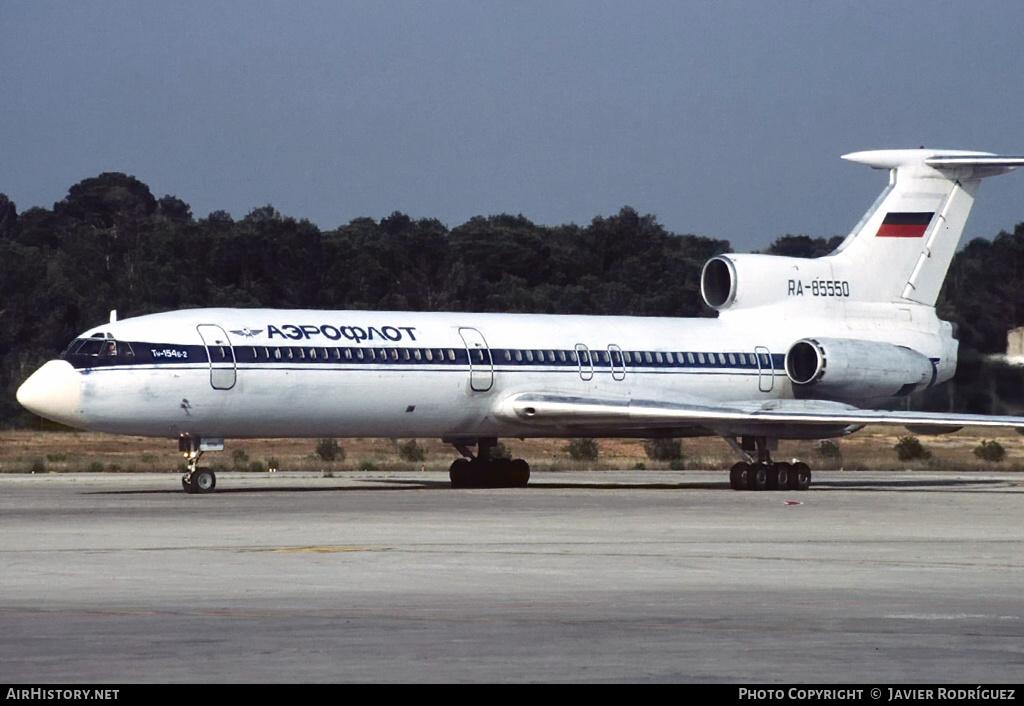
(848, 369)
(718, 282)
(732, 282)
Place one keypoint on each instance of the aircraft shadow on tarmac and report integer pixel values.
(397, 484)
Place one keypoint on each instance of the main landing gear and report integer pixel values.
(484, 471)
(196, 479)
(765, 474)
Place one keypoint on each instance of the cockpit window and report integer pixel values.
(98, 350)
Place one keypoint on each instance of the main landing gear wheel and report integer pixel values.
(800, 479)
(494, 473)
(738, 476)
(486, 472)
(765, 474)
(769, 476)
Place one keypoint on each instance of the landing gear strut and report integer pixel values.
(765, 474)
(196, 479)
(484, 471)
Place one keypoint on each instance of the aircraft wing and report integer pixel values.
(779, 418)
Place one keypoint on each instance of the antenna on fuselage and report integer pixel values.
(113, 316)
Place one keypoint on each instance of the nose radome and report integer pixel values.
(54, 391)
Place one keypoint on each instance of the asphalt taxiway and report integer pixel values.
(595, 576)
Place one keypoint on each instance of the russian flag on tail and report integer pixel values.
(905, 225)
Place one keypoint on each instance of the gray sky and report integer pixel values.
(725, 119)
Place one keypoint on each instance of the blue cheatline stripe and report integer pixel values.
(137, 353)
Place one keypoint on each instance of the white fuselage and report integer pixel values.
(243, 373)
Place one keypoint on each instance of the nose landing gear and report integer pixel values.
(196, 479)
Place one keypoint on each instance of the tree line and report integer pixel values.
(110, 244)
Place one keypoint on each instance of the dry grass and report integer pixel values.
(870, 449)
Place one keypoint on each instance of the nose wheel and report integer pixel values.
(197, 479)
(201, 480)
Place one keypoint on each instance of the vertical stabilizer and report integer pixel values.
(904, 243)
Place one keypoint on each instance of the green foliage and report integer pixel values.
(991, 451)
(663, 449)
(411, 451)
(329, 450)
(803, 246)
(583, 449)
(239, 459)
(908, 448)
(826, 448)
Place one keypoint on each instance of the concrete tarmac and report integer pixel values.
(656, 576)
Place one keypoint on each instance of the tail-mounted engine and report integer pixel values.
(845, 369)
(730, 282)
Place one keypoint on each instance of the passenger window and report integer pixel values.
(417, 354)
(721, 358)
(647, 357)
(508, 356)
(561, 356)
(359, 354)
(405, 354)
(689, 358)
(451, 354)
(658, 358)
(519, 356)
(429, 354)
(732, 359)
(529, 356)
(700, 358)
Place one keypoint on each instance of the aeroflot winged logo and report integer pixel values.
(248, 332)
(905, 225)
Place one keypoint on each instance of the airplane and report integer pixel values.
(801, 349)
